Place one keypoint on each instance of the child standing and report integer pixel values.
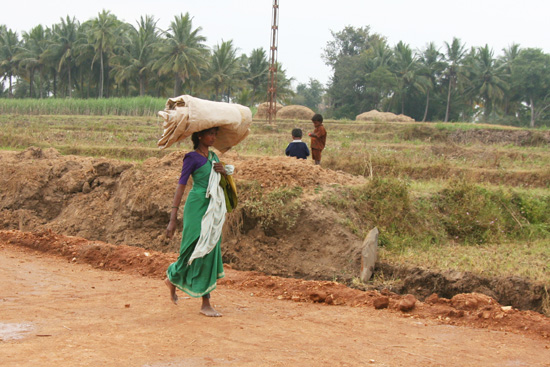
(318, 138)
(297, 148)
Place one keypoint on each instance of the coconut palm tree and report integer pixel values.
(135, 62)
(223, 67)
(511, 101)
(30, 55)
(487, 79)
(431, 67)
(9, 44)
(183, 51)
(454, 54)
(405, 68)
(63, 47)
(257, 73)
(102, 34)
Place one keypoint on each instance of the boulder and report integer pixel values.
(369, 255)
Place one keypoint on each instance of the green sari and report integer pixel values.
(199, 278)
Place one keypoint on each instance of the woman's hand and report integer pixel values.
(170, 229)
(218, 167)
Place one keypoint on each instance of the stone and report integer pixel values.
(369, 255)
(381, 302)
(407, 303)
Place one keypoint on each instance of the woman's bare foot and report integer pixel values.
(208, 310)
(173, 295)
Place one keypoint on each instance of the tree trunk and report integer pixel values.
(427, 105)
(100, 72)
(532, 123)
(11, 89)
(448, 101)
(141, 85)
(70, 81)
(177, 86)
(107, 84)
(31, 76)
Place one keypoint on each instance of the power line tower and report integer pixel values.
(272, 90)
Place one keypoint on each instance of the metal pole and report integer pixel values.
(272, 90)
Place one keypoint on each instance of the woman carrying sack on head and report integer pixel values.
(199, 264)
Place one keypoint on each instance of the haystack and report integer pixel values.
(295, 112)
(375, 115)
(262, 110)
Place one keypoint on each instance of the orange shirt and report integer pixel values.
(319, 140)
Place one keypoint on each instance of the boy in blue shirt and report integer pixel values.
(297, 148)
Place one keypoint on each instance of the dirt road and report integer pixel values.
(58, 312)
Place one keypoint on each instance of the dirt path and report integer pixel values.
(57, 312)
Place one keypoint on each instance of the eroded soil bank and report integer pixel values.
(129, 204)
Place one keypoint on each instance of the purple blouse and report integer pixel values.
(191, 162)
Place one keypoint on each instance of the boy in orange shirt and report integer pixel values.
(318, 138)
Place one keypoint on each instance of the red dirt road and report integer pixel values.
(55, 312)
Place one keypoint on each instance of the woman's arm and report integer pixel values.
(174, 214)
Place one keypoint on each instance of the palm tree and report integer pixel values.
(511, 99)
(135, 63)
(431, 67)
(183, 51)
(223, 67)
(487, 79)
(257, 73)
(30, 54)
(9, 44)
(103, 34)
(454, 54)
(405, 68)
(65, 37)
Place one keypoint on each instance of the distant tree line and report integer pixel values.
(105, 57)
(450, 84)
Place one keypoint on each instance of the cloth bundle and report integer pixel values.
(186, 114)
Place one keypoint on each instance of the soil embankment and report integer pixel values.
(129, 204)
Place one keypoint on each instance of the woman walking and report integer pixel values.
(199, 264)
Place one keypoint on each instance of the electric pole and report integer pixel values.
(272, 89)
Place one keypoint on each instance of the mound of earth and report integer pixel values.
(129, 204)
(473, 310)
(375, 115)
(295, 112)
(261, 113)
(123, 203)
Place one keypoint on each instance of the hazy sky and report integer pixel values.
(305, 25)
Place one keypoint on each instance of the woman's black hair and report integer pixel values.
(195, 136)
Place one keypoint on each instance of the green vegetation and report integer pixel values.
(277, 209)
(456, 82)
(105, 57)
(137, 106)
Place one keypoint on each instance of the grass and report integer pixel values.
(137, 106)
(502, 259)
(423, 183)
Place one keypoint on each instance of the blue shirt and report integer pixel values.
(298, 149)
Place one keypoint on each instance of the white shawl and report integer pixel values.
(213, 219)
